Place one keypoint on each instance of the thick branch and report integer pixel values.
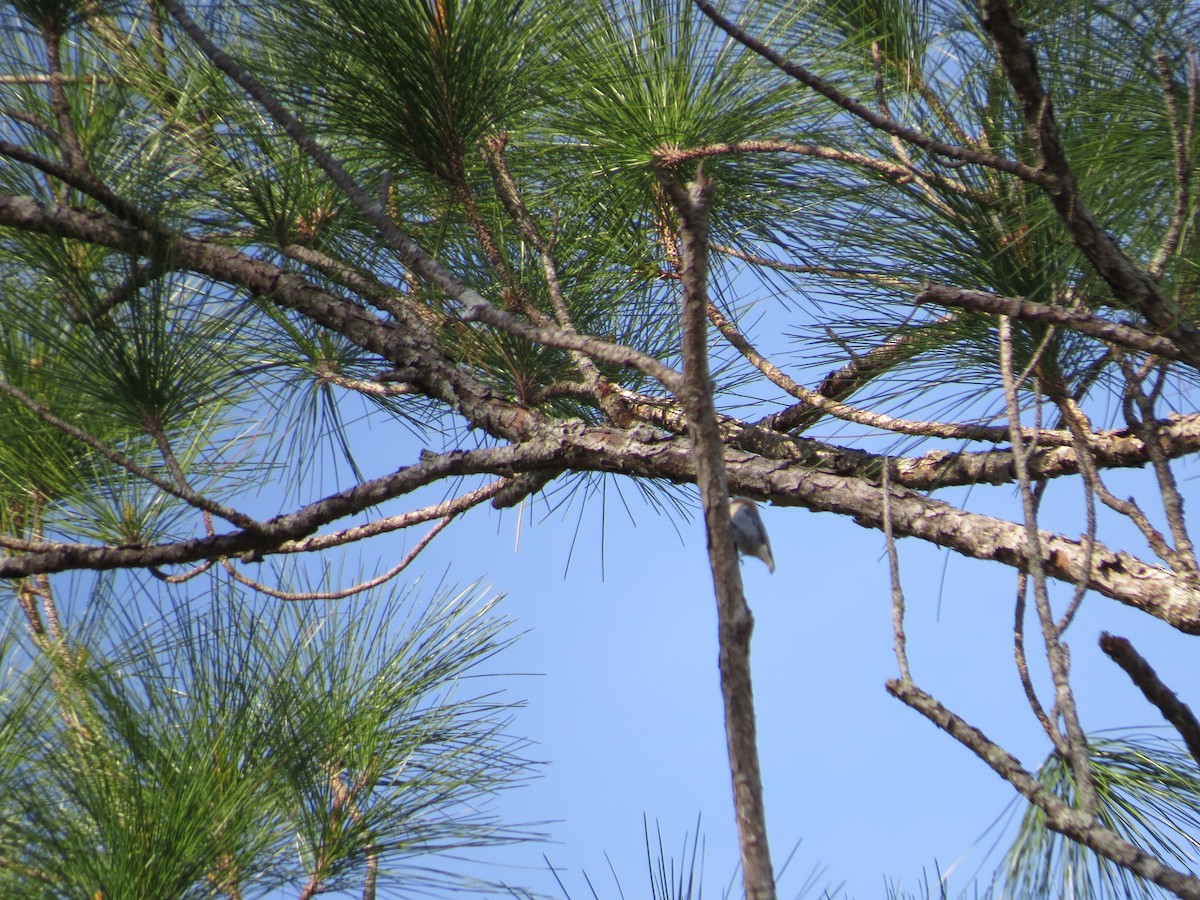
(278, 533)
(413, 349)
(1118, 575)
(72, 150)
(787, 477)
(643, 452)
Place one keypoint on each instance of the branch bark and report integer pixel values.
(735, 623)
(1142, 674)
(792, 472)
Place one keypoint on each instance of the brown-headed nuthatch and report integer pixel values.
(749, 534)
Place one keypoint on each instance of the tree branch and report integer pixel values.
(735, 623)
(899, 639)
(820, 403)
(643, 452)
(1142, 674)
(1056, 652)
(342, 593)
(181, 492)
(411, 346)
(368, 207)
(859, 371)
(895, 172)
(1181, 145)
(445, 510)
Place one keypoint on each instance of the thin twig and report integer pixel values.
(382, 296)
(1059, 817)
(506, 188)
(766, 262)
(840, 410)
(27, 597)
(122, 293)
(82, 181)
(898, 146)
(600, 389)
(181, 577)
(47, 79)
(516, 297)
(475, 307)
(899, 640)
(446, 509)
(877, 120)
(859, 371)
(563, 339)
(363, 386)
(1054, 176)
(344, 592)
(1182, 149)
(1082, 321)
(1056, 652)
(1183, 556)
(53, 621)
(1022, 661)
(72, 149)
(1093, 486)
(897, 172)
(34, 121)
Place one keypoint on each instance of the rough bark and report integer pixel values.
(735, 623)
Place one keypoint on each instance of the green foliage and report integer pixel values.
(233, 748)
(420, 80)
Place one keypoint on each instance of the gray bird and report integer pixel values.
(749, 534)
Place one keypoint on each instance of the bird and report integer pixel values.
(749, 533)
